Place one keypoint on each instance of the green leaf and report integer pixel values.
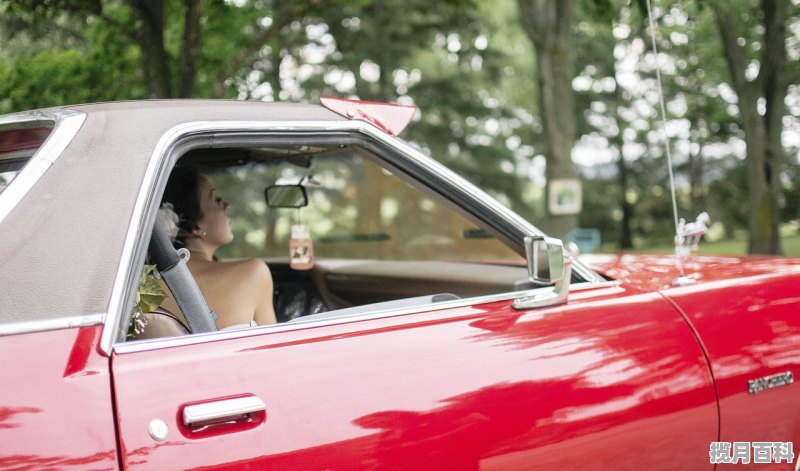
(150, 295)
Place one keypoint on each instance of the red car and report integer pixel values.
(432, 328)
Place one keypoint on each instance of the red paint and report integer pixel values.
(751, 329)
(616, 377)
(454, 389)
(55, 402)
(653, 272)
(746, 311)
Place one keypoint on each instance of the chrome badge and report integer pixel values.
(755, 386)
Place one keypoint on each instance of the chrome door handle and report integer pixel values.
(224, 410)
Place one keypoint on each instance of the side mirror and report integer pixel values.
(286, 196)
(547, 265)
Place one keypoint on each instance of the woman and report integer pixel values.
(240, 291)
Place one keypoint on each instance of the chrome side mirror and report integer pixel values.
(547, 265)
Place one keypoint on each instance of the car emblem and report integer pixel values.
(755, 386)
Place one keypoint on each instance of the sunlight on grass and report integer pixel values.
(737, 246)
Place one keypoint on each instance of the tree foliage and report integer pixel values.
(506, 101)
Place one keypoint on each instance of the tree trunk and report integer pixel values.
(190, 47)
(548, 24)
(762, 129)
(696, 169)
(149, 20)
(625, 232)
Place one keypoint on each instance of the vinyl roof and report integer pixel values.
(61, 245)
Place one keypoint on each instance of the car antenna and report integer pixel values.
(687, 236)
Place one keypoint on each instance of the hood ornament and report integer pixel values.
(687, 240)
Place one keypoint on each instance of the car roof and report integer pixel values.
(61, 244)
(183, 110)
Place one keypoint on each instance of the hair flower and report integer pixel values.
(169, 220)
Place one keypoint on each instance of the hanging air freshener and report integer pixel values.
(301, 249)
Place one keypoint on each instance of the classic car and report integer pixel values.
(433, 328)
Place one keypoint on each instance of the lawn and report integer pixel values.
(736, 246)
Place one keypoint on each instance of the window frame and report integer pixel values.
(396, 155)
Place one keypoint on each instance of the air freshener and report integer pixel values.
(301, 249)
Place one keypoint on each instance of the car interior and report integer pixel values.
(343, 235)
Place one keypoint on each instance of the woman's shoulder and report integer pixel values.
(247, 268)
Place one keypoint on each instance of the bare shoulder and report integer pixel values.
(251, 269)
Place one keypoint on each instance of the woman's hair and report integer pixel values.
(183, 191)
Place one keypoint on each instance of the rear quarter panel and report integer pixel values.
(56, 410)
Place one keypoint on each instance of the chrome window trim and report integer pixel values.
(67, 124)
(435, 167)
(182, 137)
(155, 344)
(27, 327)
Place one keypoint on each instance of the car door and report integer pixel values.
(613, 379)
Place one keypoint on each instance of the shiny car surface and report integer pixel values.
(430, 332)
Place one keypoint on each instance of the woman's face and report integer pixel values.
(215, 222)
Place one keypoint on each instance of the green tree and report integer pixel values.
(182, 48)
(549, 25)
(756, 39)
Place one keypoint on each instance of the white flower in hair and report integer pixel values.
(169, 220)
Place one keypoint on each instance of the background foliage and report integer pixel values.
(470, 68)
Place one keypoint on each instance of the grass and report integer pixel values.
(735, 246)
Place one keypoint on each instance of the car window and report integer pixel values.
(18, 142)
(341, 235)
(356, 210)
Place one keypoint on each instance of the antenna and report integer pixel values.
(687, 236)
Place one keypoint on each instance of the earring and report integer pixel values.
(203, 234)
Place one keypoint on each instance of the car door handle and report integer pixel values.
(221, 411)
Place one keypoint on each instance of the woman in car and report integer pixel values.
(240, 292)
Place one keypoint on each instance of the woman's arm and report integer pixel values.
(264, 311)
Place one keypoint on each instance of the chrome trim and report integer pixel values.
(222, 410)
(27, 327)
(67, 124)
(300, 324)
(560, 273)
(437, 168)
(180, 137)
(133, 245)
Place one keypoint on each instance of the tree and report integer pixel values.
(603, 118)
(761, 106)
(173, 38)
(548, 24)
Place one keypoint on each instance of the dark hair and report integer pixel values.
(183, 191)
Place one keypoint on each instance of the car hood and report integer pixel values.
(657, 272)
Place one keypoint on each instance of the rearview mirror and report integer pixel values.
(547, 265)
(286, 196)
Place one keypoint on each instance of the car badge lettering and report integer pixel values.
(755, 386)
